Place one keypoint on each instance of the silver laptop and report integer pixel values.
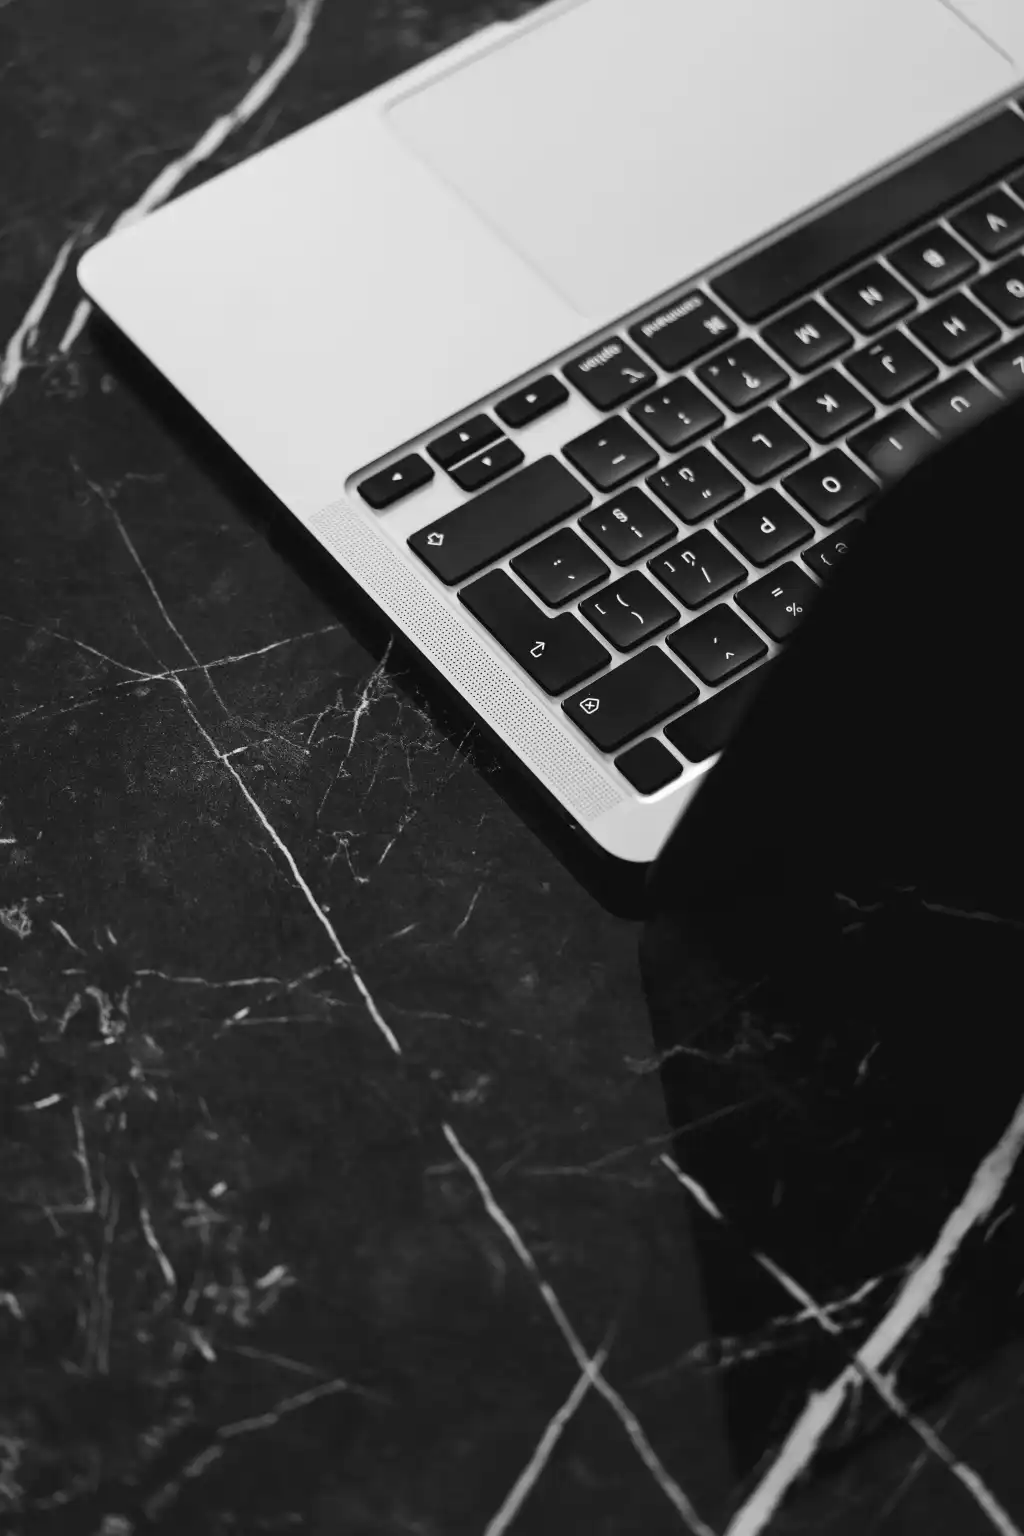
(582, 346)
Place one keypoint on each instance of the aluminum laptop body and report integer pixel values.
(357, 291)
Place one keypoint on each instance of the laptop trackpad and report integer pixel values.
(621, 145)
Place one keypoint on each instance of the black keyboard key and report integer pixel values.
(630, 698)
(765, 527)
(846, 234)
(710, 727)
(531, 401)
(717, 644)
(872, 298)
(695, 486)
(823, 557)
(478, 472)
(955, 403)
(993, 223)
(1005, 367)
(828, 406)
(609, 374)
(629, 526)
(1003, 291)
(830, 487)
(779, 601)
(892, 443)
(499, 520)
(891, 367)
(697, 569)
(676, 414)
(463, 440)
(649, 766)
(954, 328)
(762, 445)
(560, 567)
(557, 653)
(743, 375)
(807, 336)
(630, 611)
(387, 485)
(683, 330)
(933, 260)
(610, 454)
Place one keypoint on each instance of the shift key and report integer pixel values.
(557, 653)
(500, 519)
(630, 699)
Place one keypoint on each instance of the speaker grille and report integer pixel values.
(420, 613)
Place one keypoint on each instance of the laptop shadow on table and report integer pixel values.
(833, 970)
(616, 886)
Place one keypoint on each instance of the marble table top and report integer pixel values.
(349, 1182)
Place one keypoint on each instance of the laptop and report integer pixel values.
(583, 346)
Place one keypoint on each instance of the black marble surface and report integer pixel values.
(348, 1184)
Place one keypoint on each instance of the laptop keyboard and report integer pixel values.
(645, 573)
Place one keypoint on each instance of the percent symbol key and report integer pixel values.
(777, 601)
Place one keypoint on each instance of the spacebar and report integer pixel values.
(837, 239)
(499, 519)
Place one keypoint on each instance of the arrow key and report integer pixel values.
(387, 485)
(534, 400)
(461, 441)
(557, 653)
(478, 472)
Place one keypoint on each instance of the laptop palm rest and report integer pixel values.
(619, 149)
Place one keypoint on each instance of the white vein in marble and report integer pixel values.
(23, 338)
(913, 1302)
(151, 584)
(344, 959)
(527, 1479)
(586, 1363)
(304, 14)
